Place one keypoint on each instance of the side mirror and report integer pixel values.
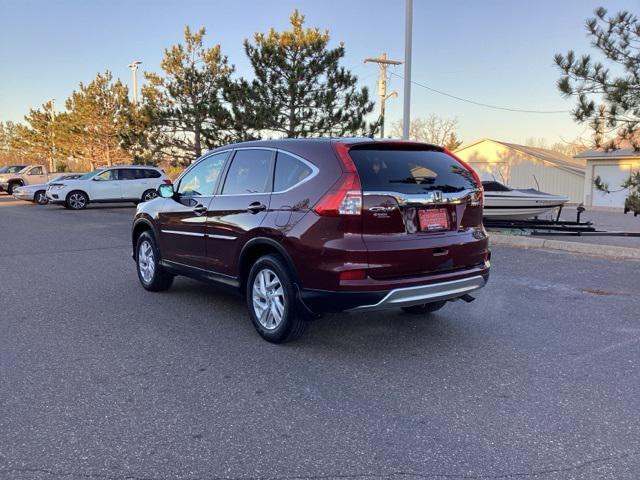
(165, 190)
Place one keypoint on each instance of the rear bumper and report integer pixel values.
(321, 301)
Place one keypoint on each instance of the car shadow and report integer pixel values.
(379, 331)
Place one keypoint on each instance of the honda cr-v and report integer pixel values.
(306, 226)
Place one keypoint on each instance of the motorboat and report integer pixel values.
(502, 202)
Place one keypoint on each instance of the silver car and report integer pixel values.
(38, 193)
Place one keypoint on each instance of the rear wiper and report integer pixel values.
(413, 180)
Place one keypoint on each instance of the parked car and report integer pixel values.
(306, 226)
(27, 175)
(132, 183)
(7, 173)
(38, 193)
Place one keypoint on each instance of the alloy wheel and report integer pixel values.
(149, 196)
(146, 261)
(268, 299)
(41, 198)
(77, 201)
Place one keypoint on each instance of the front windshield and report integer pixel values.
(89, 175)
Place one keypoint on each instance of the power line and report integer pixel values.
(495, 107)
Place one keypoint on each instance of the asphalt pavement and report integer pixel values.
(99, 379)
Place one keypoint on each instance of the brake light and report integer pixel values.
(346, 199)
(478, 197)
(167, 181)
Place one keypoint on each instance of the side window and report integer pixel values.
(106, 175)
(249, 172)
(126, 174)
(36, 171)
(149, 173)
(202, 178)
(289, 172)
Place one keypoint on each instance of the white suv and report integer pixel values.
(135, 183)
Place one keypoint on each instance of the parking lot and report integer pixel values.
(538, 378)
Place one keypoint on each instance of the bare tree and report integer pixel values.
(566, 147)
(432, 129)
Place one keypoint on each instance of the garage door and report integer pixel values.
(614, 176)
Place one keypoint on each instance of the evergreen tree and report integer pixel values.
(299, 89)
(36, 141)
(98, 115)
(184, 110)
(617, 38)
(8, 135)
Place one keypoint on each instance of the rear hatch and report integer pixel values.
(421, 210)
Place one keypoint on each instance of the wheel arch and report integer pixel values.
(258, 247)
(140, 226)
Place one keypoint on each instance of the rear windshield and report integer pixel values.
(410, 171)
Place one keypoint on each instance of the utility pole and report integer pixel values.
(408, 27)
(383, 62)
(134, 69)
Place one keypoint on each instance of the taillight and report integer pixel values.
(167, 181)
(346, 198)
(477, 199)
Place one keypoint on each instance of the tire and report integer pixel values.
(76, 200)
(12, 186)
(274, 315)
(40, 197)
(148, 195)
(425, 308)
(150, 273)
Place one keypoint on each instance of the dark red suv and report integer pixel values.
(306, 226)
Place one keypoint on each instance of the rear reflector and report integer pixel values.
(353, 275)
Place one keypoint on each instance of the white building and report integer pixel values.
(519, 166)
(613, 168)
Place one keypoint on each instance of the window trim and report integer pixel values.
(231, 152)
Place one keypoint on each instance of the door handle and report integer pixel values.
(199, 209)
(256, 207)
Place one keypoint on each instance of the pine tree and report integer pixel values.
(37, 139)
(617, 37)
(97, 117)
(299, 89)
(184, 108)
(8, 135)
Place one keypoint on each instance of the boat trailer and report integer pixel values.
(555, 226)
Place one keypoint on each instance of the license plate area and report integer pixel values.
(434, 219)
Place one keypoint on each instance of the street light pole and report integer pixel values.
(406, 111)
(134, 69)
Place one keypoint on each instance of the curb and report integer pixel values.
(521, 241)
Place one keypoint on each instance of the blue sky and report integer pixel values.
(493, 51)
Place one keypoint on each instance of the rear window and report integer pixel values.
(410, 171)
